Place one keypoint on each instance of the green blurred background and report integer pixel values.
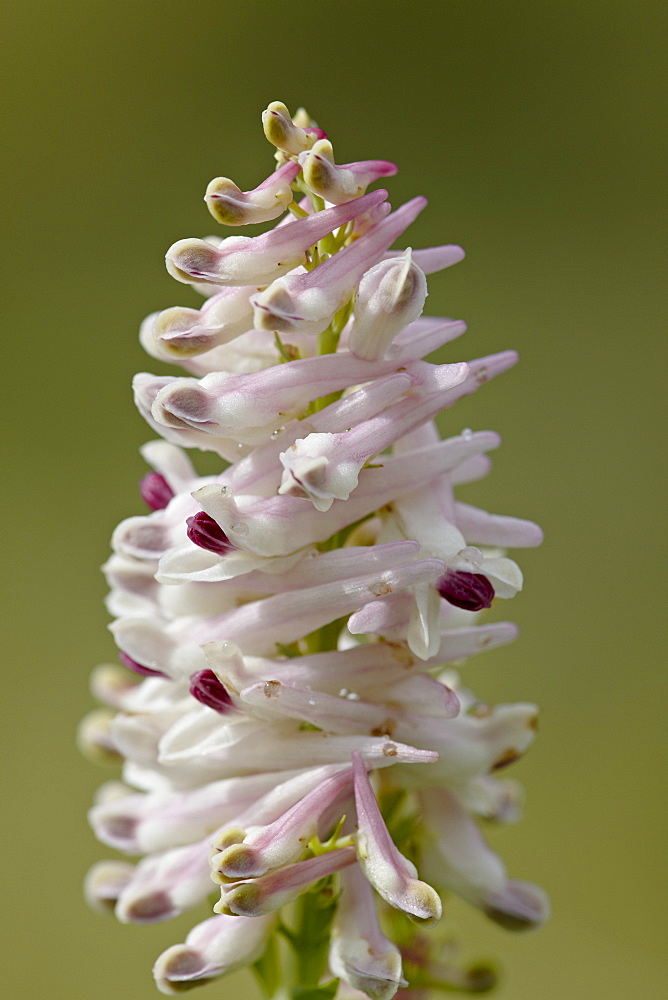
(532, 129)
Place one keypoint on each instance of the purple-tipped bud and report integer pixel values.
(155, 491)
(205, 532)
(470, 591)
(139, 668)
(205, 686)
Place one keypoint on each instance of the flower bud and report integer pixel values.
(203, 531)
(95, 738)
(470, 591)
(465, 864)
(213, 948)
(233, 207)
(282, 132)
(155, 491)
(105, 882)
(283, 841)
(180, 333)
(391, 874)
(207, 689)
(165, 884)
(390, 296)
(337, 184)
(278, 888)
(359, 953)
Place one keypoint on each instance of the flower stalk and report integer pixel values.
(289, 730)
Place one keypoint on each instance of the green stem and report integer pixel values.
(312, 934)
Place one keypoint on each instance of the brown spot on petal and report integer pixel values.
(326, 894)
(389, 750)
(481, 710)
(402, 655)
(386, 728)
(507, 757)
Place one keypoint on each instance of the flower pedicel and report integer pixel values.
(296, 739)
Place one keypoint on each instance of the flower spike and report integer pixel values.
(284, 622)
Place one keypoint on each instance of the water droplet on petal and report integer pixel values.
(467, 433)
(240, 528)
(277, 433)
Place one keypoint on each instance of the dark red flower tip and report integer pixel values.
(205, 532)
(470, 591)
(139, 668)
(155, 491)
(205, 686)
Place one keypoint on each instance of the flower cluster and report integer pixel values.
(297, 740)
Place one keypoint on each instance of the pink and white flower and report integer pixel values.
(291, 737)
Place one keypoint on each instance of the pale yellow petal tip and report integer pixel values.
(95, 740)
(244, 900)
(105, 882)
(282, 132)
(425, 904)
(238, 861)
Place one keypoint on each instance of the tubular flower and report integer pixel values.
(288, 731)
